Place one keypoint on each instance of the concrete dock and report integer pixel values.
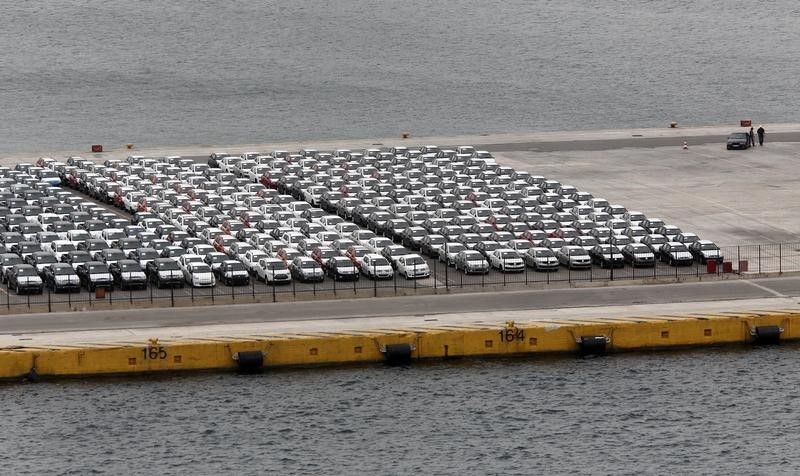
(732, 197)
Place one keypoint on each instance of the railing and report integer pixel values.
(739, 261)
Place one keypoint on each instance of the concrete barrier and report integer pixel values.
(361, 346)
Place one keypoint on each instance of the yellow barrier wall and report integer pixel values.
(624, 334)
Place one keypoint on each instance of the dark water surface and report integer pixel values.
(713, 411)
(78, 72)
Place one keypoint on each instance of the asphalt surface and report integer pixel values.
(403, 306)
(633, 142)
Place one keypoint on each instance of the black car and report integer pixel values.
(61, 277)
(7, 261)
(638, 254)
(739, 140)
(76, 258)
(607, 256)
(40, 260)
(23, 278)
(232, 273)
(341, 269)
(94, 274)
(165, 272)
(110, 256)
(127, 274)
(412, 236)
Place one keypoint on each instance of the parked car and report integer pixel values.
(341, 269)
(375, 266)
(738, 140)
(638, 254)
(306, 270)
(273, 271)
(232, 273)
(23, 278)
(541, 259)
(607, 256)
(95, 274)
(412, 266)
(199, 275)
(471, 262)
(574, 257)
(506, 260)
(705, 250)
(165, 272)
(675, 254)
(128, 274)
(7, 261)
(61, 277)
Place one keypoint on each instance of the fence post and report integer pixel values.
(151, 293)
(172, 295)
(504, 272)
(273, 290)
(191, 289)
(130, 295)
(233, 294)
(294, 288)
(780, 258)
(759, 259)
(415, 276)
(49, 308)
(526, 273)
(29, 301)
(375, 280)
(334, 284)
(253, 287)
(435, 276)
(738, 257)
(213, 292)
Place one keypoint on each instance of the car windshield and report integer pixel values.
(578, 252)
(26, 272)
(79, 257)
(11, 260)
(738, 135)
(640, 249)
(42, 259)
(168, 266)
(276, 266)
(508, 254)
(544, 254)
(709, 246)
(200, 268)
(678, 248)
(62, 270)
(130, 267)
(235, 266)
(414, 260)
(98, 268)
(149, 254)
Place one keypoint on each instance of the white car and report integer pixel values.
(59, 248)
(375, 266)
(251, 260)
(377, 243)
(413, 266)
(506, 260)
(273, 270)
(199, 274)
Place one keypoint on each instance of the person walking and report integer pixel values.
(761, 133)
(752, 137)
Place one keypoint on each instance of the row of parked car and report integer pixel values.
(343, 214)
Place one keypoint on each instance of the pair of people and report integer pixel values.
(761, 132)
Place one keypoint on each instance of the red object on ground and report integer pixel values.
(743, 266)
(711, 267)
(727, 267)
(97, 148)
(746, 123)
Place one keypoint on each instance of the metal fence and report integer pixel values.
(739, 261)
